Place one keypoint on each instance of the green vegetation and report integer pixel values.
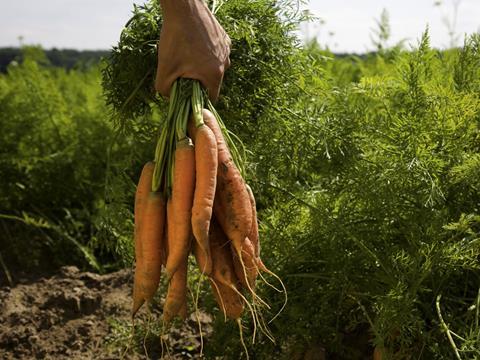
(366, 172)
(383, 218)
(59, 161)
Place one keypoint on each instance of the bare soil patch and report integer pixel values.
(75, 315)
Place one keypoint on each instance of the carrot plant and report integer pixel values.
(379, 232)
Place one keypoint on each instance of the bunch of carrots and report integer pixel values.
(194, 199)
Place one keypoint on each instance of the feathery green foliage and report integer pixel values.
(383, 217)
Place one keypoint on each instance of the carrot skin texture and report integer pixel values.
(141, 196)
(206, 164)
(223, 274)
(228, 300)
(211, 122)
(169, 228)
(232, 206)
(250, 250)
(179, 243)
(250, 263)
(200, 257)
(152, 233)
(176, 301)
(143, 190)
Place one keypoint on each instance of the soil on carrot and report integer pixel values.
(81, 315)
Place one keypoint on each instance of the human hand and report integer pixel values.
(192, 45)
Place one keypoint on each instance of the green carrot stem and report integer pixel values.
(170, 161)
(186, 115)
(173, 100)
(180, 127)
(197, 104)
(159, 155)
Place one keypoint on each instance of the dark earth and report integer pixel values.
(82, 315)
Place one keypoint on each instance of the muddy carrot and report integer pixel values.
(250, 264)
(223, 280)
(232, 204)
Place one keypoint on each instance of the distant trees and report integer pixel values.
(66, 58)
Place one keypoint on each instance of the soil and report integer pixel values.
(82, 315)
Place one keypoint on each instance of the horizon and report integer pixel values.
(340, 27)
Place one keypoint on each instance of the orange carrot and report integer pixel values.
(206, 163)
(176, 290)
(250, 250)
(224, 282)
(176, 300)
(249, 261)
(227, 299)
(232, 205)
(182, 201)
(143, 189)
(200, 256)
(164, 252)
(151, 238)
(177, 294)
(211, 122)
(169, 228)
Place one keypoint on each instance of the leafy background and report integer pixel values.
(366, 171)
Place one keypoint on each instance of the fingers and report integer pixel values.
(167, 71)
(192, 63)
(211, 77)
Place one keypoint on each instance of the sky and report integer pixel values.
(342, 25)
(352, 21)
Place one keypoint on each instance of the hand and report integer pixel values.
(192, 45)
